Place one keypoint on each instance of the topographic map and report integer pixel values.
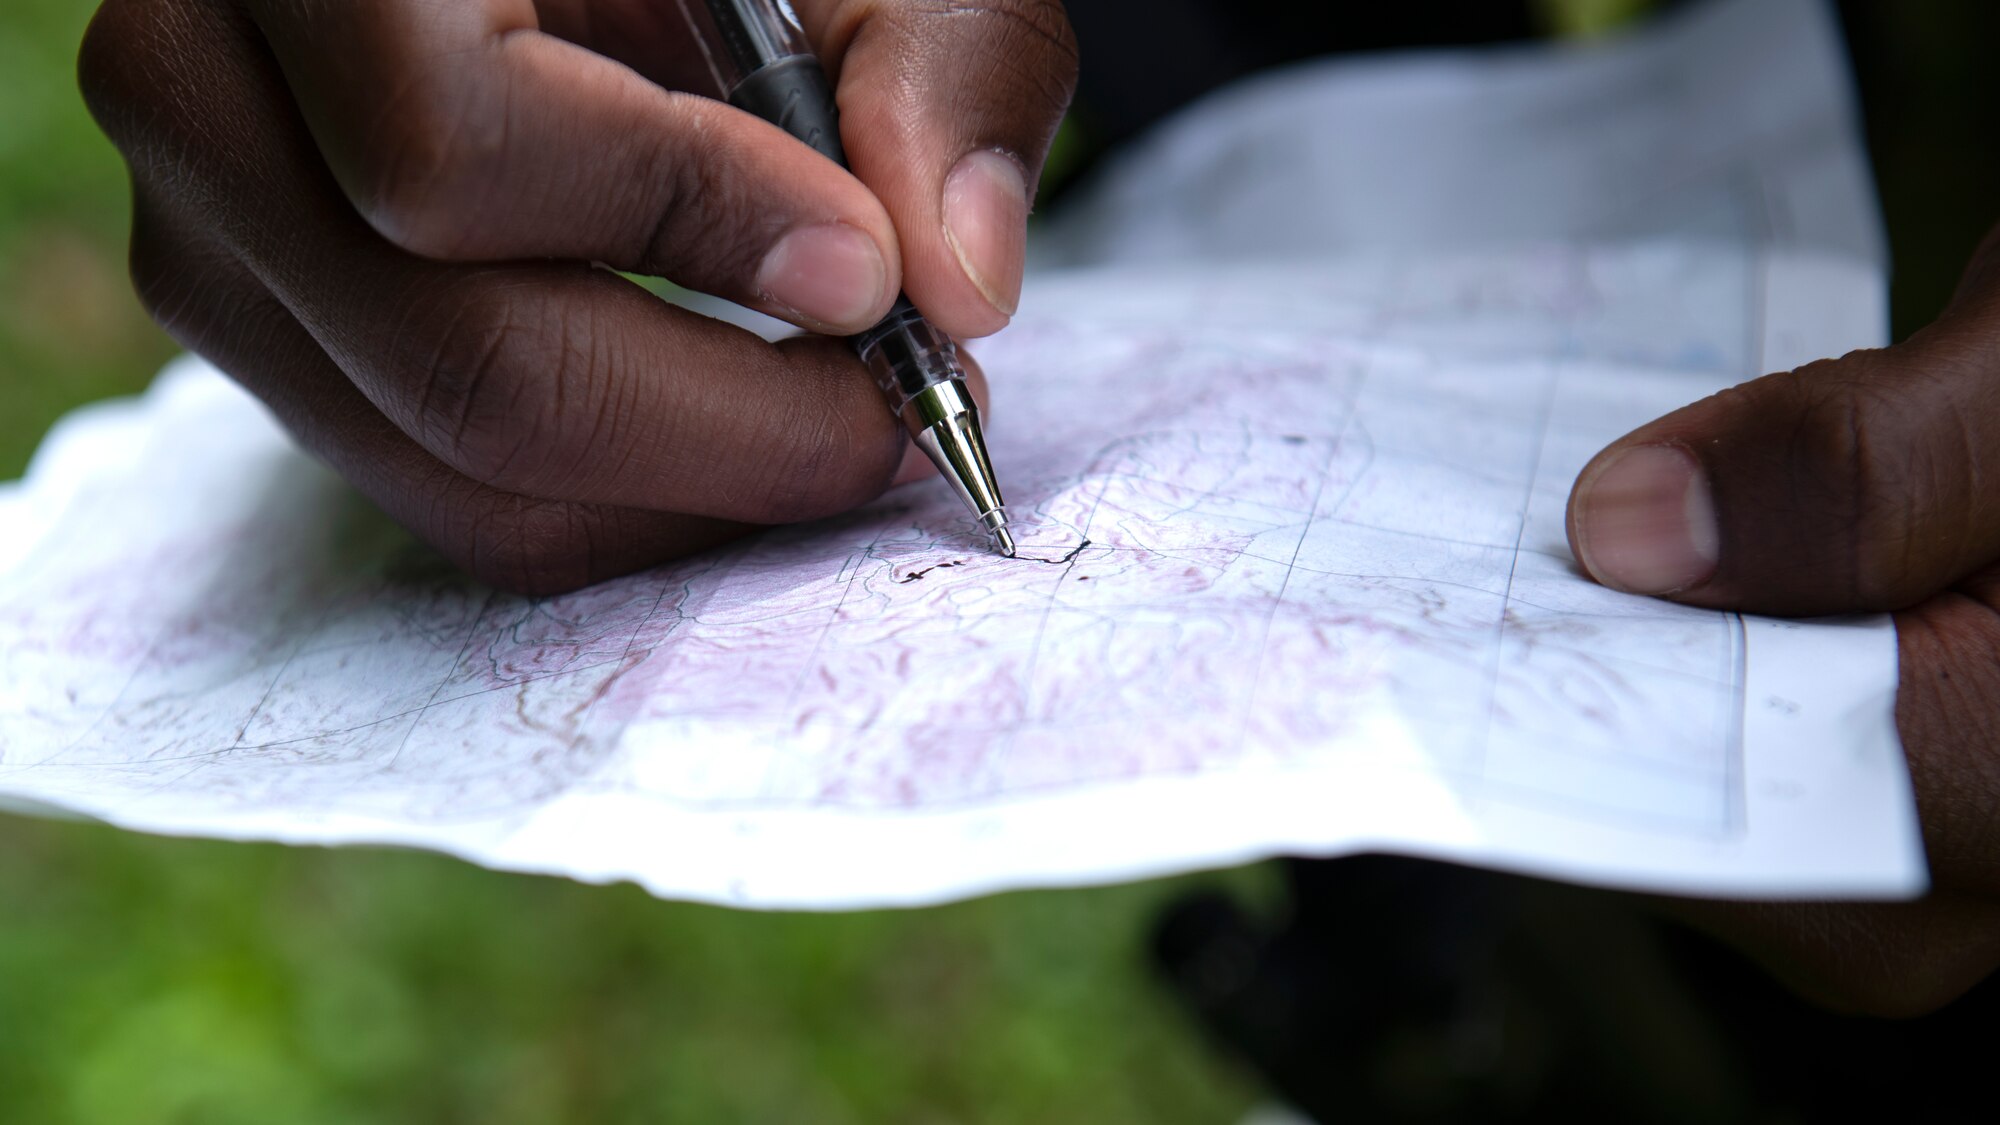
(1293, 579)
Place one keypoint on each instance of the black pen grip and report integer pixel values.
(793, 95)
(905, 353)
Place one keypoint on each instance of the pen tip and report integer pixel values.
(1003, 541)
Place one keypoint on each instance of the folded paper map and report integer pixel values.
(1293, 580)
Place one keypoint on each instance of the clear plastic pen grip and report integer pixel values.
(906, 355)
(737, 38)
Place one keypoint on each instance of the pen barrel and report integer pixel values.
(904, 353)
(738, 38)
(907, 355)
(761, 61)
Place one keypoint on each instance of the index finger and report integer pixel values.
(461, 131)
(555, 381)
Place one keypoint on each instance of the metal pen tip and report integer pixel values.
(945, 425)
(995, 523)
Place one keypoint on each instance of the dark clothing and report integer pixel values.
(1143, 59)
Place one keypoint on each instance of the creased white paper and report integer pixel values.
(1296, 581)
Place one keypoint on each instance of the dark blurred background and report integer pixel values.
(155, 980)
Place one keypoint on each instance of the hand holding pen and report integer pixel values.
(763, 64)
(381, 218)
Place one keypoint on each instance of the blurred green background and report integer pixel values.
(155, 980)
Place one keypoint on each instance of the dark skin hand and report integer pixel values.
(381, 216)
(1866, 483)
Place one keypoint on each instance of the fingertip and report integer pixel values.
(1642, 520)
(838, 400)
(985, 211)
(833, 278)
(967, 277)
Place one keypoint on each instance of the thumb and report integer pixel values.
(947, 111)
(1857, 484)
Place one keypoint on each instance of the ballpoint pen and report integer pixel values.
(762, 64)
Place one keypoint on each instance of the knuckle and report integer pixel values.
(1858, 451)
(1029, 45)
(814, 473)
(1036, 48)
(530, 547)
(1028, 63)
(714, 224)
(475, 407)
(119, 64)
(1042, 41)
(194, 292)
(1886, 476)
(101, 61)
(1859, 473)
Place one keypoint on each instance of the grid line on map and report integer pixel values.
(1499, 641)
(1349, 422)
(471, 634)
(1042, 625)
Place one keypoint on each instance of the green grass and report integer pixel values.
(153, 980)
(70, 329)
(148, 980)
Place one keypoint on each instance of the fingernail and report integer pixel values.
(986, 223)
(832, 274)
(1645, 521)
